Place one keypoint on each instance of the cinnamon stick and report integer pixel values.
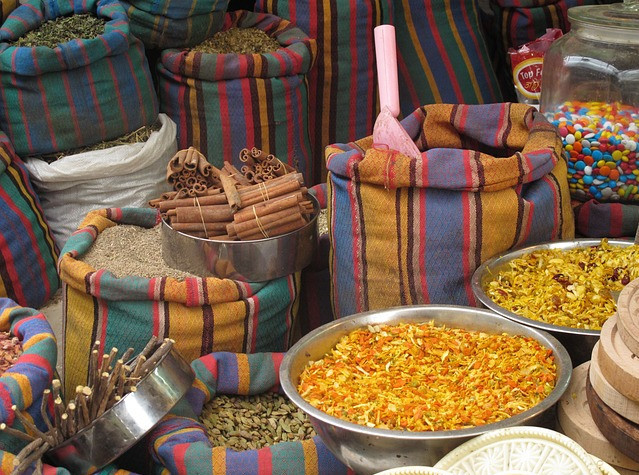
(208, 214)
(211, 228)
(279, 230)
(273, 228)
(217, 198)
(231, 192)
(267, 207)
(264, 220)
(235, 173)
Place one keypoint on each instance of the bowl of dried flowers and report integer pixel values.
(404, 386)
(567, 288)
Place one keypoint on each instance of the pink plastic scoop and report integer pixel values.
(387, 130)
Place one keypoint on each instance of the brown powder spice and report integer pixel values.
(421, 377)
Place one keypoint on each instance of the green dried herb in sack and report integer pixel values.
(63, 29)
(254, 422)
(238, 41)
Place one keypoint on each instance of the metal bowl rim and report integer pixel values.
(106, 414)
(506, 257)
(561, 358)
(311, 222)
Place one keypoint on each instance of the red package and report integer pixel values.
(527, 62)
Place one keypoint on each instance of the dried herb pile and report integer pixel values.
(63, 29)
(238, 41)
(254, 422)
(140, 135)
(422, 377)
(10, 351)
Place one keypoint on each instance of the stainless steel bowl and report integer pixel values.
(369, 450)
(578, 342)
(128, 420)
(250, 261)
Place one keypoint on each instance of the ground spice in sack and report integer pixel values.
(239, 41)
(10, 351)
(128, 250)
(137, 136)
(63, 29)
(254, 422)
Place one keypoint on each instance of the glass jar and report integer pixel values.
(590, 91)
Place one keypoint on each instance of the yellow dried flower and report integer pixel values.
(422, 377)
(566, 287)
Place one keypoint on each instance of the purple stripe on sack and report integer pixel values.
(227, 377)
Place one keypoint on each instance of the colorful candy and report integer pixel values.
(600, 144)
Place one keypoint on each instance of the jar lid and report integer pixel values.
(618, 15)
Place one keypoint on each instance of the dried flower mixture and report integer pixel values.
(566, 287)
(10, 351)
(421, 377)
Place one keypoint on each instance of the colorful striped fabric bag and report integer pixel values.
(442, 54)
(223, 103)
(6, 7)
(343, 86)
(79, 93)
(28, 253)
(408, 231)
(180, 444)
(24, 383)
(164, 24)
(598, 220)
(6, 465)
(201, 314)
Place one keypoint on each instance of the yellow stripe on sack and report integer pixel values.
(193, 108)
(243, 374)
(35, 339)
(162, 439)
(263, 105)
(462, 49)
(499, 206)
(311, 461)
(218, 460)
(3, 289)
(25, 389)
(229, 326)
(27, 196)
(186, 322)
(7, 462)
(78, 331)
(382, 245)
(5, 318)
(432, 84)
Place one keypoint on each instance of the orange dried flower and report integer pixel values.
(422, 377)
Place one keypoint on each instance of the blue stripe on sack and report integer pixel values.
(343, 284)
(540, 193)
(445, 166)
(237, 115)
(270, 329)
(443, 246)
(227, 376)
(242, 463)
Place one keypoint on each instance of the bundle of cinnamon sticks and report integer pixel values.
(238, 210)
(109, 379)
(260, 166)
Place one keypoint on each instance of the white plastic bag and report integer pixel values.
(122, 176)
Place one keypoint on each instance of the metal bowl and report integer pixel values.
(579, 342)
(249, 261)
(128, 420)
(369, 450)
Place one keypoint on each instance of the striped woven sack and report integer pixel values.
(6, 7)
(28, 253)
(79, 93)
(180, 444)
(597, 220)
(174, 23)
(442, 54)
(223, 103)
(24, 383)
(343, 86)
(7, 458)
(201, 314)
(315, 297)
(409, 231)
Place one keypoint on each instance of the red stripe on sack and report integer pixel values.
(225, 119)
(7, 402)
(255, 323)
(94, 94)
(34, 359)
(210, 363)
(202, 142)
(616, 220)
(422, 244)
(247, 100)
(124, 117)
(67, 91)
(179, 455)
(191, 291)
(290, 130)
(264, 461)
(156, 317)
(45, 104)
(443, 54)
(277, 362)
(208, 322)
(25, 121)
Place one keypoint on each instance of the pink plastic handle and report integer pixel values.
(386, 56)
